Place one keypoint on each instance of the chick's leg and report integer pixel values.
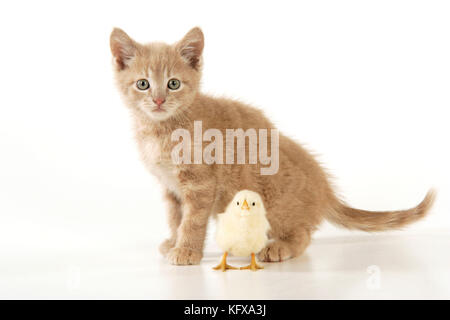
(253, 265)
(223, 264)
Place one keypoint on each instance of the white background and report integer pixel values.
(364, 84)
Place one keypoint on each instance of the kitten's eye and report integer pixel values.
(254, 203)
(174, 84)
(238, 203)
(142, 84)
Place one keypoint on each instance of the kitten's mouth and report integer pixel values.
(158, 110)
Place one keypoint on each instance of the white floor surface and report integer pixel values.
(382, 266)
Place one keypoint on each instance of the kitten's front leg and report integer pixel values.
(174, 220)
(191, 233)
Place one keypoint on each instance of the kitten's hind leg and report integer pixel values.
(284, 248)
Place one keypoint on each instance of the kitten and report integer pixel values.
(160, 85)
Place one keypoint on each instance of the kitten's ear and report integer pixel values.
(191, 47)
(123, 48)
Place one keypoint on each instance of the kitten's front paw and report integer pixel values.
(184, 256)
(166, 245)
(275, 252)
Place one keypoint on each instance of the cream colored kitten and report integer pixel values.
(160, 85)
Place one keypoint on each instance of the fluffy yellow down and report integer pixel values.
(242, 232)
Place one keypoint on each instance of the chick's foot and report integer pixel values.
(223, 265)
(253, 265)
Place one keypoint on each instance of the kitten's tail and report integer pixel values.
(371, 221)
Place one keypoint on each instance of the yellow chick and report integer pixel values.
(242, 229)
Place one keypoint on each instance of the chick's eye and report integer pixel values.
(142, 84)
(237, 203)
(254, 203)
(174, 84)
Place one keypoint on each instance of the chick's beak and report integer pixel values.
(245, 206)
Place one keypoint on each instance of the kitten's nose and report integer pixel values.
(159, 101)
